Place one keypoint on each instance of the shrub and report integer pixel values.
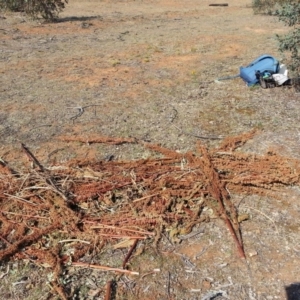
(48, 9)
(289, 13)
(267, 6)
(13, 5)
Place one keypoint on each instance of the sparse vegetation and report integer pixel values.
(288, 11)
(48, 9)
(267, 6)
(289, 14)
(58, 79)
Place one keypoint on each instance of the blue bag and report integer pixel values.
(264, 63)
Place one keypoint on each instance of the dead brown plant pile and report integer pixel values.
(85, 204)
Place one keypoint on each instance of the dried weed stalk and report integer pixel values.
(138, 199)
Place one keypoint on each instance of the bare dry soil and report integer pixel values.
(144, 72)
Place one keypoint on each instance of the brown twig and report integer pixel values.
(98, 139)
(25, 216)
(74, 241)
(168, 285)
(129, 253)
(81, 110)
(49, 179)
(149, 273)
(198, 136)
(118, 228)
(108, 290)
(234, 235)
(104, 268)
(145, 197)
(119, 236)
(26, 241)
(20, 199)
(263, 215)
(218, 192)
(5, 240)
(59, 290)
(32, 157)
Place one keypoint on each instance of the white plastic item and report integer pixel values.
(283, 70)
(280, 78)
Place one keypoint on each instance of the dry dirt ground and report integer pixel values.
(145, 70)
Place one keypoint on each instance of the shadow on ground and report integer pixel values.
(293, 291)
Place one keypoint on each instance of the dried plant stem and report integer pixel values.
(3, 239)
(32, 157)
(20, 199)
(98, 139)
(235, 237)
(25, 216)
(108, 290)
(249, 207)
(104, 268)
(48, 179)
(5, 273)
(218, 192)
(26, 241)
(119, 236)
(145, 197)
(74, 240)
(26, 177)
(58, 289)
(119, 228)
(152, 272)
(129, 253)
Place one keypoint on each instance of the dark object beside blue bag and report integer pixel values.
(261, 64)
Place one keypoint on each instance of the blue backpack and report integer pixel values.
(264, 63)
